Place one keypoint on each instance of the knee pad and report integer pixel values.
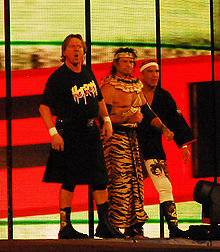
(165, 191)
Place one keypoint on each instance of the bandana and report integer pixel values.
(148, 65)
(124, 55)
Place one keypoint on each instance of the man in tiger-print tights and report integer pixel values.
(124, 99)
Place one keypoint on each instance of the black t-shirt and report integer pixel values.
(72, 95)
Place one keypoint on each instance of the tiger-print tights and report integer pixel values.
(125, 185)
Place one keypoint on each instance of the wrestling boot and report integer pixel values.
(67, 231)
(169, 210)
(105, 228)
(136, 231)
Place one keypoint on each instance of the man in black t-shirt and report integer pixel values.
(73, 96)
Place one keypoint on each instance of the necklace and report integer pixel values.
(126, 85)
(149, 101)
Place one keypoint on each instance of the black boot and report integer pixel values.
(169, 210)
(67, 231)
(104, 228)
(135, 231)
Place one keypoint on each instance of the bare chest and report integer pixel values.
(123, 100)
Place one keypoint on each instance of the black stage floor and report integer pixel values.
(109, 245)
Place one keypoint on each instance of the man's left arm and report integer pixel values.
(185, 153)
(106, 130)
(183, 135)
(175, 121)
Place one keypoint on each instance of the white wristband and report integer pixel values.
(184, 146)
(107, 119)
(53, 131)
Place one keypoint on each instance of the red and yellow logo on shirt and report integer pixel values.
(84, 91)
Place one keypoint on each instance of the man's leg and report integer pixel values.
(158, 172)
(65, 198)
(66, 229)
(100, 196)
(104, 228)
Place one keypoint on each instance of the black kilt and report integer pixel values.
(81, 162)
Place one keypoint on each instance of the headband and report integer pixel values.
(124, 55)
(148, 65)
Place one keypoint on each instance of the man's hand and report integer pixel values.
(136, 117)
(57, 142)
(186, 155)
(168, 134)
(106, 130)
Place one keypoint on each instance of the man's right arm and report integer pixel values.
(155, 121)
(57, 142)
